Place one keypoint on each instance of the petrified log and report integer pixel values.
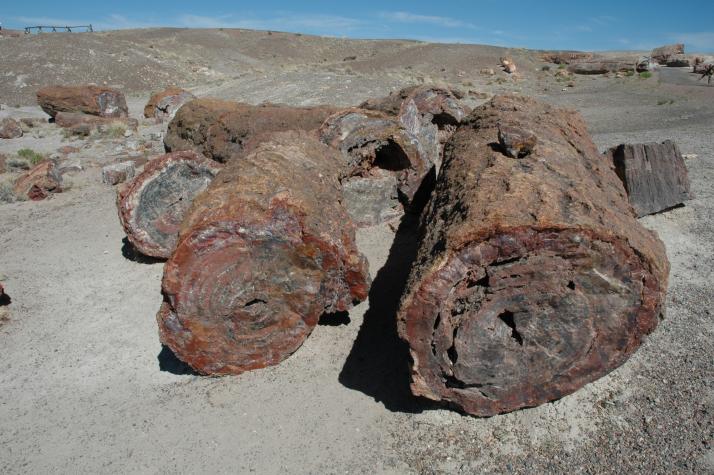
(430, 113)
(71, 120)
(94, 100)
(153, 206)
(376, 147)
(663, 53)
(603, 66)
(164, 104)
(533, 276)
(654, 175)
(565, 57)
(38, 182)
(262, 253)
(219, 129)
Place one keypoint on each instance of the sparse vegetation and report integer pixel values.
(561, 66)
(645, 74)
(112, 131)
(629, 73)
(7, 195)
(545, 68)
(662, 102)
(30, 155)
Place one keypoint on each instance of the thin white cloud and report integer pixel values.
(318, 22)
(442, 21)
(698, 41)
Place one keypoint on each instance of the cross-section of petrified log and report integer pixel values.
(152, 207)
(533, 276)
(262, 253)
(94, 100)
(218, 129)
(654, 175)
(375, 148)
(164, 104)
(430, 113)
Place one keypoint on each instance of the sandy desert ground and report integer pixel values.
(85, 386)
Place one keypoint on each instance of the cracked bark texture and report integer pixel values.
(152, 207)
(262, 253)
(220, 129)
(533, 276)
(93, 100)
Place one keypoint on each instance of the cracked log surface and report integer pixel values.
(220, 129)
(533, 276)
(375, 148)
(152, 207)
(262, 253)
(93, 100)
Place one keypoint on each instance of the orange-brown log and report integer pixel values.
(533, 276)
(262, 253)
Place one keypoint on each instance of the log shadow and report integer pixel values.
(378, 364)
(5, 300)
(131, 253)
(334, 319)
(170, 363)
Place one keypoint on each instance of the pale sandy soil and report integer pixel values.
(86, 388)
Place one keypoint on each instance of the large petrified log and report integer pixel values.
(603, 66)
(533, 276)
(164, 104)
(663, 53)
(152, 207)
(218, 129)
(262, 253)
(94, 100)
(565, 57)
(654, 175)
(379, 153)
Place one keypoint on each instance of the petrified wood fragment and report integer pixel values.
(37, 183)
(262, 253)
(164, 104)
(219, 129)
(654, 175)
(533, 276)
(94, 100)
(152, 207)
(430, 113)
(375, 147)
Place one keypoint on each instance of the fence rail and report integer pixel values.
(45, 28)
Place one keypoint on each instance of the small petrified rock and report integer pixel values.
(533, 277)
(118, 173)
(372, 200)
(94, 100)
(515, 141)
(164, 104)
(10, 128)
(37, 183)
(508, 65)
(654, 175)
(663, 53)
(152, 206)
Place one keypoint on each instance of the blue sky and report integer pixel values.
(587, 25)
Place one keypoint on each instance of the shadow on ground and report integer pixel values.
(130, 252)
(170, 363)
(378, 364)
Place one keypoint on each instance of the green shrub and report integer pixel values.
(561, 66)
(629, 73)
(645, 74)
(30, 155)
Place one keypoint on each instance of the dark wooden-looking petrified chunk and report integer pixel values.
(533, 276)
(152, 207)
(220, 129)
(376, 147)
(262, 253)
(654, 175)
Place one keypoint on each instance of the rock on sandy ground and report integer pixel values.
(86, 387)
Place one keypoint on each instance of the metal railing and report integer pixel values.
(54, 29)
